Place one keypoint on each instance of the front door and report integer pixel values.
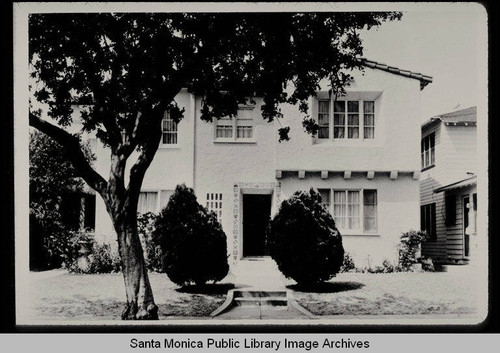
(256, 214)
(466, 205)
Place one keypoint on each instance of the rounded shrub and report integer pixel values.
(192, 240)
(304, 241)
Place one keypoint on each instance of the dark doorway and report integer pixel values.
(466, 206)
(256, 214)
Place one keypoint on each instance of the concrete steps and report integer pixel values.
(259, 298)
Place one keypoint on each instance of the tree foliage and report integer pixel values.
(225, 58)
(129, 67)
(304, 241)
(51, 177)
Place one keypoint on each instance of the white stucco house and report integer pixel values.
(365, 162)
(448, 186)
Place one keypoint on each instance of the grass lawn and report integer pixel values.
(62, 296)
(102, 297)
(393, 293)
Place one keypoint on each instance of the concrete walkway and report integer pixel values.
(262, 312)
(261, 274)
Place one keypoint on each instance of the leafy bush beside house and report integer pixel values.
(82, 254)
(192, 240)
(304, 241)
(408, 247)
(52, 178)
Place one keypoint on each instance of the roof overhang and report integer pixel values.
(424, 79)
(459, 184)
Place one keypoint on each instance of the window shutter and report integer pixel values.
(451, 210)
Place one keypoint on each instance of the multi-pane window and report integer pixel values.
(239, 128)
(168, 130)
(428, 220)
(351, 119)
(353, 210)
(369, 119)
(370, 210)
(153, 201)
(324, 119)
(427, 150)
(214, 203)
(224, 128)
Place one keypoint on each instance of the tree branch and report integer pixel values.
(73, 151)
(140, 167)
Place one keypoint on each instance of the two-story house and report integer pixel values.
(448, 188)
(364, 161)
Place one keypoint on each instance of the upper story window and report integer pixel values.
(346, 119)
(427, 150)
(354, 211)
(237, 129)
(169, 133)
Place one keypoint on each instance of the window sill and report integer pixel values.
(169, 147)
(428, 167)
(344, 142)
(358, 234)
(249, 141)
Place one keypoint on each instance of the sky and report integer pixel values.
(443, 44)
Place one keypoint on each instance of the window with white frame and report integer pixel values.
(239, 128)
(427, 150)
(214, 203)
(352, 210)
(346, 119)
(169, 133)
(153, 201)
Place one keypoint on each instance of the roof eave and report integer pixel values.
(424, 79)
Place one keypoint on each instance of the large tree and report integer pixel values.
(129, 68)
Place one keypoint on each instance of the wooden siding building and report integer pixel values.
(448, 189)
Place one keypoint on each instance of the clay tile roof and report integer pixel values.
(424, 79)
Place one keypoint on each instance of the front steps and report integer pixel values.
(259, 297)
(257, 300)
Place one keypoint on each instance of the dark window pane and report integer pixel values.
(353, 106)
(339, 106)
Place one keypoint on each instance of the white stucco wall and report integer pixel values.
(397, 130)
(397, 211)
(234, 168)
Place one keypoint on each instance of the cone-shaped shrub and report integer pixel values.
(304, 241)
(192, 240)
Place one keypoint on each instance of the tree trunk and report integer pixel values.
(140, 302)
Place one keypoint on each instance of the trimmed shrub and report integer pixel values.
(304, 241)
(153, 256)
(407, 248)
(192, 240)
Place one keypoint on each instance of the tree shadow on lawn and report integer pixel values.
(326, 287)
(209, 289)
